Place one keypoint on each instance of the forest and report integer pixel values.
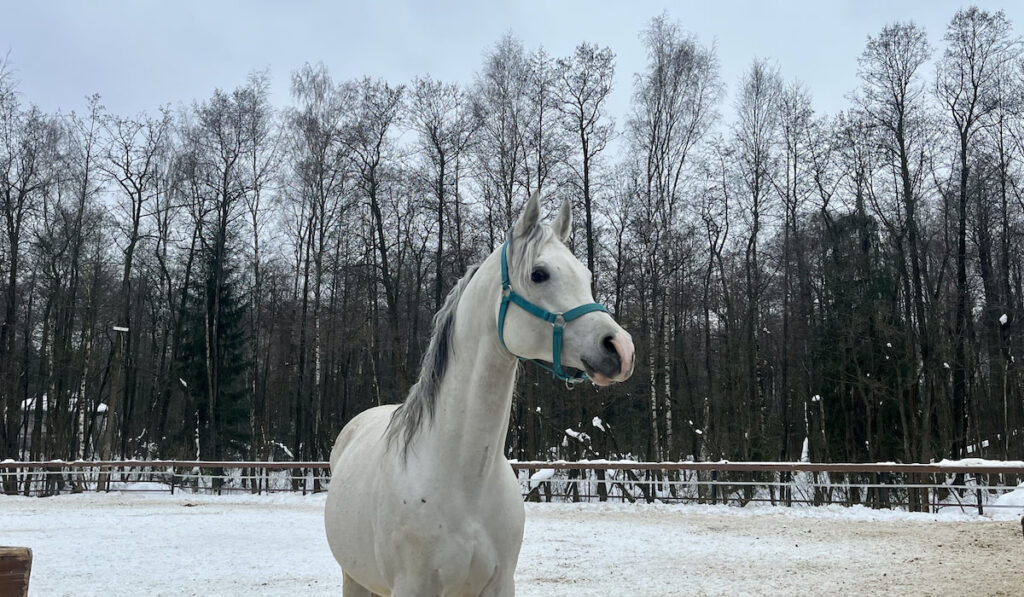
(236, 280)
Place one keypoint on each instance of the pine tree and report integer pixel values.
(221, 429)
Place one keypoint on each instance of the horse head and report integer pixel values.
(547, 311)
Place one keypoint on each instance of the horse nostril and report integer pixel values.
(609, 345)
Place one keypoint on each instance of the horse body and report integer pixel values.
(442, 514)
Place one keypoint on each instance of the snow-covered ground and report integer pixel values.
(157, 544)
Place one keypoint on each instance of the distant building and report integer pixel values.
(92, 424)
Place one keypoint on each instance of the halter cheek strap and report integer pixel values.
(557, 321)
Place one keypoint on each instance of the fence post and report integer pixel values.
(933, 494)
(884, 480)
(977, 491)
(15, 567)
(714, 487)
(789, 487)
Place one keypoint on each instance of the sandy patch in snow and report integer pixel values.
(655, 551)
(121, 544)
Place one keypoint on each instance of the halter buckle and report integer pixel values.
(506, 292)
(559, 320)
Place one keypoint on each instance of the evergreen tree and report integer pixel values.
(219, 420)
(860, 344)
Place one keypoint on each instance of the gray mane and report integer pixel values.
(418, 408)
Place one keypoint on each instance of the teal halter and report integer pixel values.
(557, 321)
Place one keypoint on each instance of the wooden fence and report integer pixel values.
(973, 485)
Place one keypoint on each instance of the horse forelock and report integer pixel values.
(418, 408)
(524, 254)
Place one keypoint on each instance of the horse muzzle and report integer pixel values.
(616, 361)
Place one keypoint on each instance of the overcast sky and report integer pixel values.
(140, 55)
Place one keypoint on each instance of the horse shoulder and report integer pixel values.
(363, 429)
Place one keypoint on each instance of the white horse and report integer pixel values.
(422, 500)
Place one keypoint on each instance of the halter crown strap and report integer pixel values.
(557, 321)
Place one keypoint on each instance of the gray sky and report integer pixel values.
(140, 55)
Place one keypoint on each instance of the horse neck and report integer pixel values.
(475, 395)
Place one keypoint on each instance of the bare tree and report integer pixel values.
(795, 126)
(978, 43)
(379, 110)
(441, 115)
(674, 103)
(585, 82)
(892, 98)
(756, 136)
(28, 146)
(500, 103)
(545, 141)
(322, 173)
(131, 160)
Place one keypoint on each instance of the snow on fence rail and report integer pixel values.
(972, 483)
(965, 484)
(57, 476)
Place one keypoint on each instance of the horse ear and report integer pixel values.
(528, 218)
(563, 222)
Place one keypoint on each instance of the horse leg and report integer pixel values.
(502, 585)
(350, 588)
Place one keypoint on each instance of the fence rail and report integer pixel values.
(918, 487)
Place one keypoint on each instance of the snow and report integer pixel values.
(1013, 502)
(30, 403)
(540, 476)
(981, 462)
(1003, 319)
(158, 544)
(284, 449)
(577, 435)
(597, 422)
(101, 408)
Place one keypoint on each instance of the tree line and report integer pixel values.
(234, 279)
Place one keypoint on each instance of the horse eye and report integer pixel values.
(539, 276)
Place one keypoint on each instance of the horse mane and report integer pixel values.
(419, 405)
(418, 408)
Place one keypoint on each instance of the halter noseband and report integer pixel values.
(557, 321)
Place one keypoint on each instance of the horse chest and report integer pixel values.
(437, 550)
(450, 539)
